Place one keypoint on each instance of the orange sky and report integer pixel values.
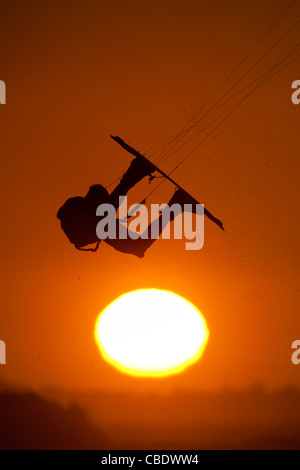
(77, 72)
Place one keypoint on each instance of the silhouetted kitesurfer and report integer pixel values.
(79, 220)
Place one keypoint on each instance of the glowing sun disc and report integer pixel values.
(151, 332)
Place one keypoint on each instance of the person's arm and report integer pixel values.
(94, 249)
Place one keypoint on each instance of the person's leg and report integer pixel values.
(179, 203)
(126, 240)
(137, 170)
(138, 246)
(128, 243)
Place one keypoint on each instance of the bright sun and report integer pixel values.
(151, 332)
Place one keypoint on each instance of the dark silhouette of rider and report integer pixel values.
(78, 214)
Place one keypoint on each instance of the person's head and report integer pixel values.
(97, 195)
